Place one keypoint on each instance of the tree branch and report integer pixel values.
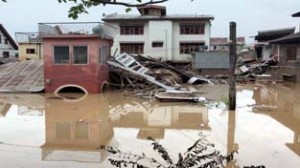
(129, 4)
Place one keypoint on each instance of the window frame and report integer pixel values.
(73, 55)
(30, 49)
(291, 53)
(69, 55)
(134, 29)
(140, 46)
(190, 47)
(157, 44)
(192, 28)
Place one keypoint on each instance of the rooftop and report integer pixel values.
(273, 34)
(290, 39)
(10, 39)
(296, 14)
(76, 29)
(126, 17)
(28, 37)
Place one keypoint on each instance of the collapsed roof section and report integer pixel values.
(268, 35)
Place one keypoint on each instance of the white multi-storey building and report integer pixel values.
(8, 47)
(155, 34)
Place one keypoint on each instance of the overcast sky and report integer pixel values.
(250, 15)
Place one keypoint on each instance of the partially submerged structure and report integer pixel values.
(75, 55)
(211, 63)
(8, 47)
(26, 76)
(155, 33)
(288, 67)
(30, 46)
(266, 50)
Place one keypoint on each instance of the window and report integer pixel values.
(80, 54)
(0, 40)
(187, 48)
(192, 28)
(132, 30)
(81, 130)
(30, 51)
(157, 44)
(5, 54)
(132, 48)
(291, 53)
(5, 41)
(103, 54)
(61, 54)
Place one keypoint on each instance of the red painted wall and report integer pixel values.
(90, 76)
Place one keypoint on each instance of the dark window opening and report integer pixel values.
(5, 41)
(132, 30)
(5, 54)
(80, 54)
(187, 48)
(132, 48)
(61, 54)
(30, 51)
(192, 29)
(157, 44)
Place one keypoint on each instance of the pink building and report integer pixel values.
(75, 56)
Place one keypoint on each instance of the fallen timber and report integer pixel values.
(132, 67)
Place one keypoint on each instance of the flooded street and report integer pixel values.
(39, 130)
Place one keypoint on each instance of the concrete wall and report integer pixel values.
(89, 76)
(166, 31)
(287, 69)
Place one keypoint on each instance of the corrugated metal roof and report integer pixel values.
(211, 60)
(25, 76)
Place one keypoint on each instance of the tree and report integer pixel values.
(81, 6)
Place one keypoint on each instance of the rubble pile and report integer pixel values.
(145, 76)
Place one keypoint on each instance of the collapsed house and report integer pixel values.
(148, 76)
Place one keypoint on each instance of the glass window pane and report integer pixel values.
(80, 54)
(61, 54)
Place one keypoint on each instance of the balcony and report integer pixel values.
(76, 29)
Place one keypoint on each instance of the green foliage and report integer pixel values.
(81, 6)
(201, 154)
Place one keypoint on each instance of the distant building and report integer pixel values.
(263, 48)
(288, 67)
(222, 44)
(30, 46)
(75, 55)
(8, 47)
(154, 33)
(211, 63)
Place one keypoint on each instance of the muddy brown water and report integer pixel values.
(47, 131)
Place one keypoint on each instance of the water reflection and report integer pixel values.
(281, 102)
(75, 126)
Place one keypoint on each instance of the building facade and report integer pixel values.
(30, 46)
(155, 34)
(74, 58)
(222, 44)
(8, 47)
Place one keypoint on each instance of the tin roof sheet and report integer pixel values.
(25, 76)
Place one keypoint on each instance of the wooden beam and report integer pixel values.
(232, 53)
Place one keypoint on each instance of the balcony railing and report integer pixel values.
(28, 37)
(77, 28)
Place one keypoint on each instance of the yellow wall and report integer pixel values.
(23, 55)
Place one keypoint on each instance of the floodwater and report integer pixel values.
(46, 131)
